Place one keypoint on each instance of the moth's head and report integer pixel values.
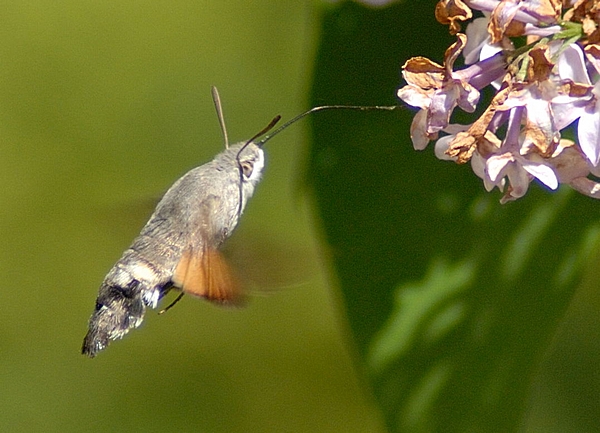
(250, 160)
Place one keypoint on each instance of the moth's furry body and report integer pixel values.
(178, 245)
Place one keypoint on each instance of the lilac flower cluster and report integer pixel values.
(542, 86)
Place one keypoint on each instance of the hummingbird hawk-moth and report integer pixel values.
(179, 247)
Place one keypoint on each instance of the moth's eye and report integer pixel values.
(247, 168)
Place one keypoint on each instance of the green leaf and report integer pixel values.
(452, 298)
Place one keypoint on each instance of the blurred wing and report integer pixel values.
(207, 274)
(203, 271)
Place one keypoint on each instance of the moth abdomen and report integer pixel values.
(118, 309)
(130, 286)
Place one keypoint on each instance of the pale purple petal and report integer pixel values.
(417, 130)
(490, 50)
(541, 172)
(483, 72)
(469, 97)
(533, 30)
(588, 132)
(566, 113)
(496, 164)
(571, 65)
(478, 164)
(507, 13)
(519, 180)
(440, 109)
(414, 96)
(441, 146)
(525, 13)
(477, 38)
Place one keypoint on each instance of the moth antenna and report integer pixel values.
(177, 299)
(322, 108)
(219, 108)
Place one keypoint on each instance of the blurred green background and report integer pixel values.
(104, 104)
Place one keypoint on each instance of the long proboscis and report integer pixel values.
(322, 108)
(266, 129)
